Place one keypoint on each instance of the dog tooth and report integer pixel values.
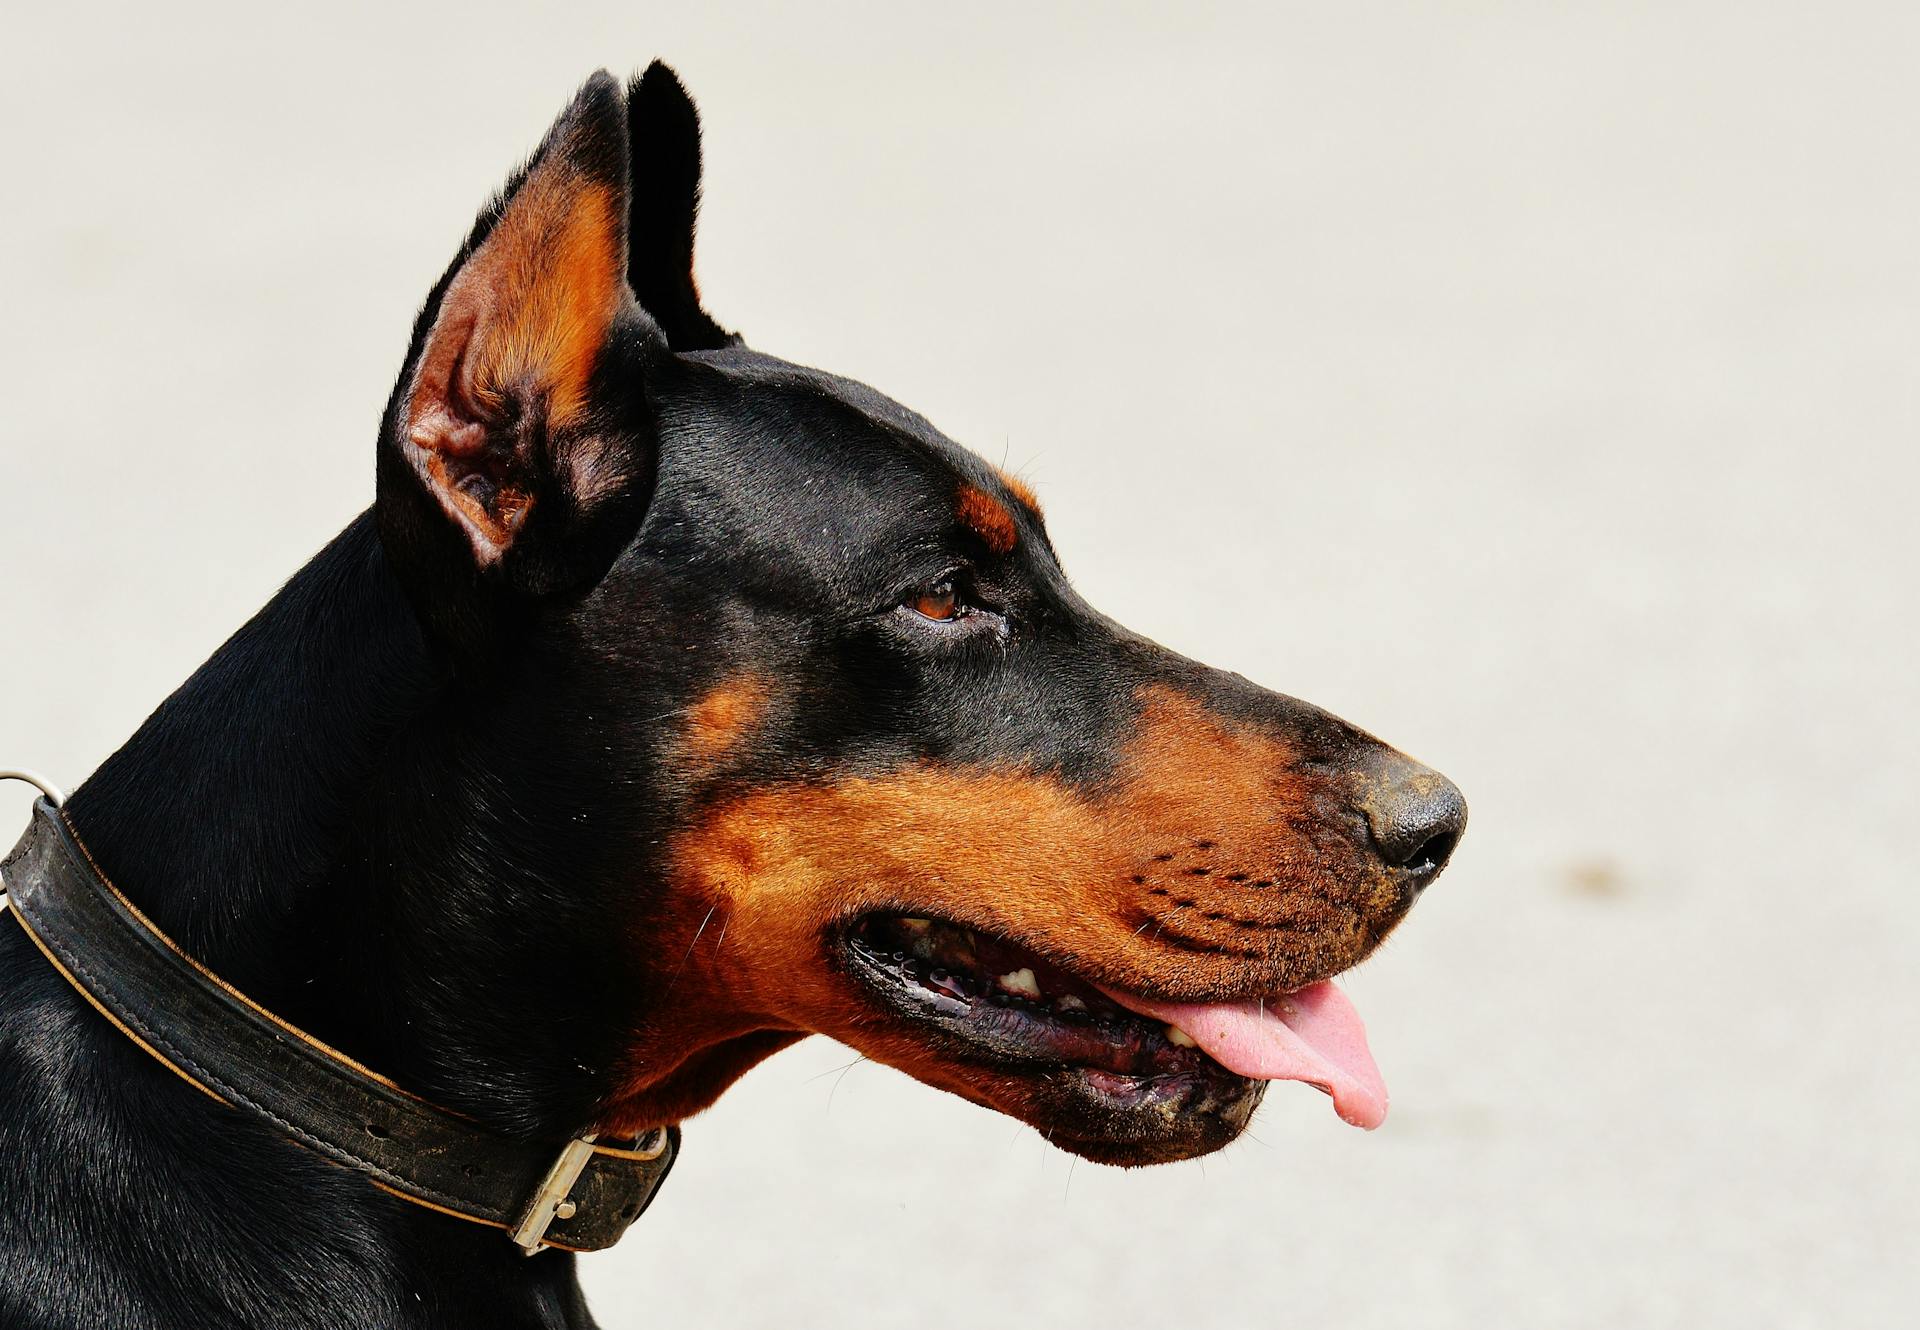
(1180, 1038)
(1070, 1003)
(1021, 982)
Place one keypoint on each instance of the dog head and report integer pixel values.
(771, 712)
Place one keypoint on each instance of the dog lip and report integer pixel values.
(1013, 1005)
(1104, 1083)
(1130, 982)
(1105, 978)
(1310, 1033)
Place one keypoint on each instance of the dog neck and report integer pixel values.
(257, 818)
(235, 817)
(316, 815)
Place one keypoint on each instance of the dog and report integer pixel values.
(671, 703)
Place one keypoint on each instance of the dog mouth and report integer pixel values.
(1124, 1052)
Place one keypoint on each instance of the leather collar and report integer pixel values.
(580, 1195)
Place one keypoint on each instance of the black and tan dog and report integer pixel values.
(673, 702)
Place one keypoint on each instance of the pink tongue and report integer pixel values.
(1313, 1035)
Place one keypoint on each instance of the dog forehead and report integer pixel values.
(786, 450)
(744, 366)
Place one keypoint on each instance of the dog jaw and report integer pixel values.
(1206, 868)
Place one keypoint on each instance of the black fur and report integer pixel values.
(665, 134)
(412, 805)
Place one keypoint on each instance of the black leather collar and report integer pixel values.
(580, 1195)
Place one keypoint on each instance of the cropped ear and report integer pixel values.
(665, 131)
(506, 444)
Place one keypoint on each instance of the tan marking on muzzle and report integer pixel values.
(723, 719)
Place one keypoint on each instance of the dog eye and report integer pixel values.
(939, 602)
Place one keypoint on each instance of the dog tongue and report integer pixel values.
(1313, 1035)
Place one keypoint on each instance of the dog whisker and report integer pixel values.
(840, 1070)
(841, 1077)
(681, 968)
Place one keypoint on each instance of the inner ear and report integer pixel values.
(664, 129)
(499, 421)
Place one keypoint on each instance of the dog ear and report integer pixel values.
(500, 458)
(665, 131)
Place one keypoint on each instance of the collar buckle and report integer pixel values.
(550, 1200)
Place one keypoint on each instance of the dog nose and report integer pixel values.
(1416, 815)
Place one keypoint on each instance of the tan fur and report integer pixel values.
(1021, 491)
(987, 518)
(549, 277)
(718, 723)
(1195, 873)
(524, 322)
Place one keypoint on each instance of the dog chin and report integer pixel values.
(1130, 1122)
(1126, 1121)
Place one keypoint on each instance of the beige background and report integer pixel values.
(1532, 384)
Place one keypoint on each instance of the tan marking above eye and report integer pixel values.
(988, 519)
(1021, 491)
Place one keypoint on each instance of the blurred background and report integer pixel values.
(1531, 384)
